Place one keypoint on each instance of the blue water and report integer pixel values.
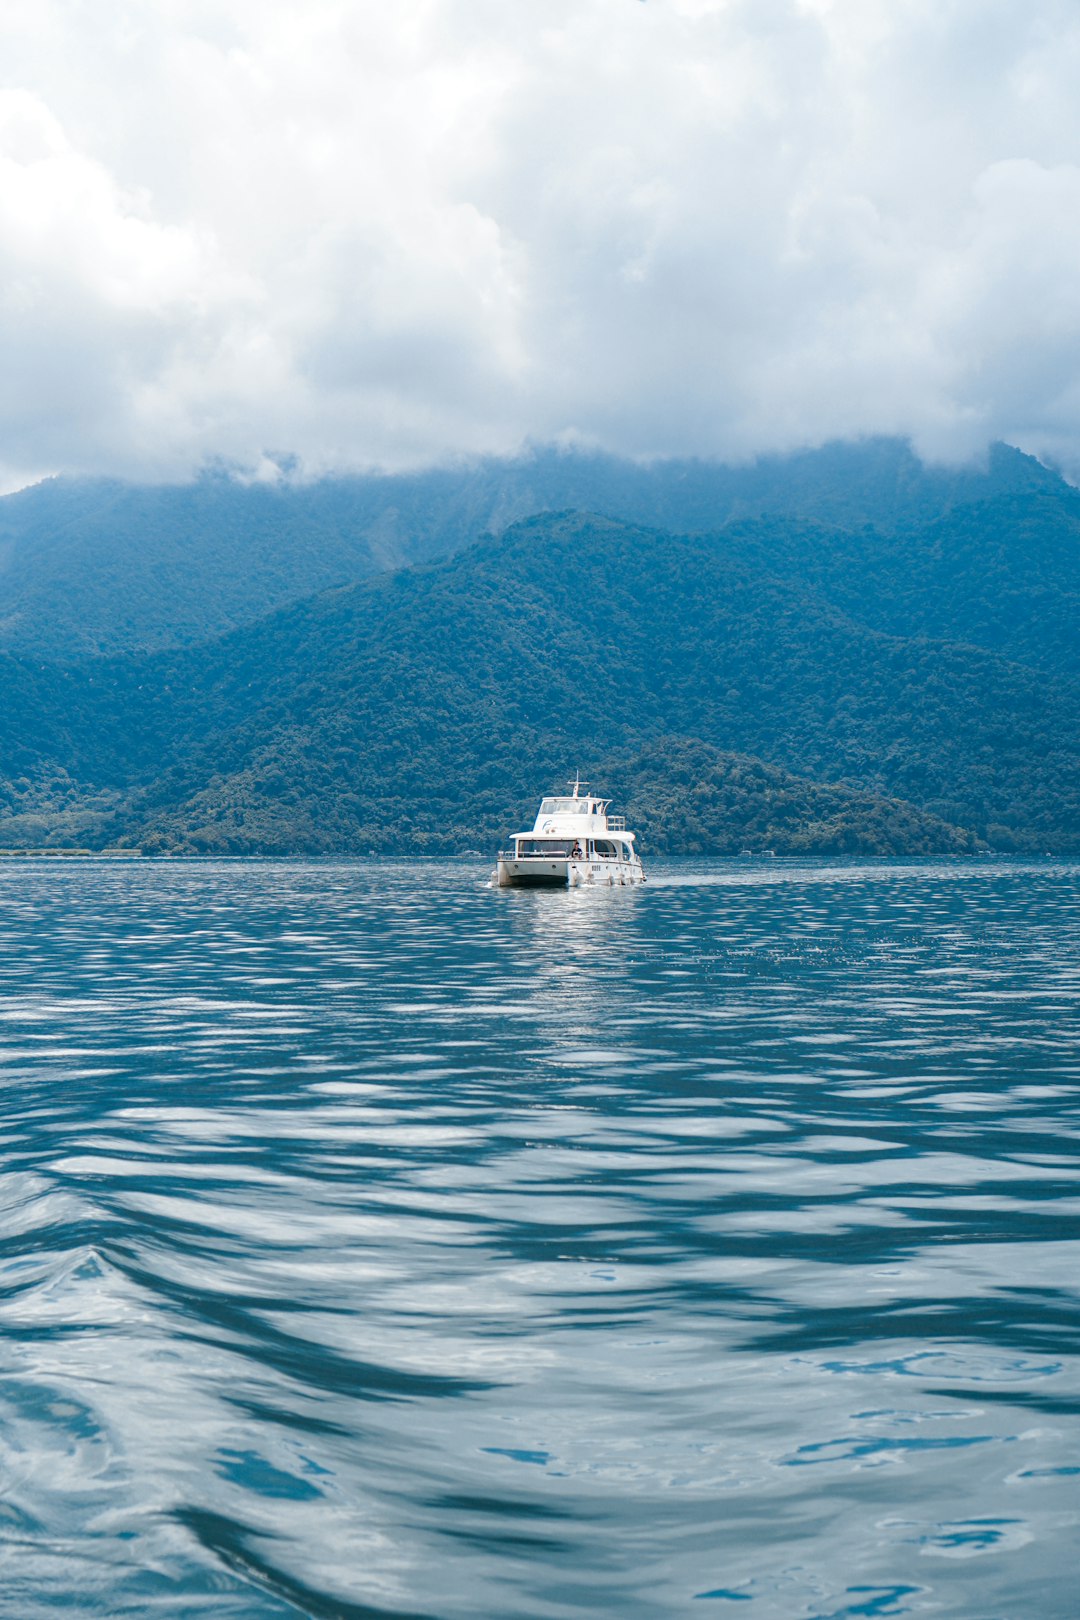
(375, 1243)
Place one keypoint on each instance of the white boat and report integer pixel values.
(573, 842)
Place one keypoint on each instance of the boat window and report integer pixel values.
(604, 847)
(557, 848)
(569, 807)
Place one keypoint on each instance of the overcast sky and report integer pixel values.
(388, 234)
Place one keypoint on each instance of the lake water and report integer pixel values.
(378, 1244)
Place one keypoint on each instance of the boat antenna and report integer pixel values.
(577, 784)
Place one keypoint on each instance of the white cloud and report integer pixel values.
(373, 234)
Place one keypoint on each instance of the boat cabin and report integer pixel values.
(575, 828)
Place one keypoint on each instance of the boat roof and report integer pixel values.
(578, 812)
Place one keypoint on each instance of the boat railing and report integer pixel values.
(616, 823)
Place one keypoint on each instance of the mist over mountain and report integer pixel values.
(777, 682)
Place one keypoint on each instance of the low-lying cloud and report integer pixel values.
(368, 235)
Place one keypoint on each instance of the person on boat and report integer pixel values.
(577, 852)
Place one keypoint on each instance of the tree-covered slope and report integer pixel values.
(699, 800)
(94, 567)
(1002, 574)
(430, 706)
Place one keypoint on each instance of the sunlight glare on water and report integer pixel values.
(376, 1243)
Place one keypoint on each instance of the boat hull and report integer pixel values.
(537, 873)
(533, 874)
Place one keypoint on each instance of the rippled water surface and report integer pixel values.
(375, 1243)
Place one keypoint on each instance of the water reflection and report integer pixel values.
(375, 1247)
(575, 951)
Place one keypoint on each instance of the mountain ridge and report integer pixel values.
(91, 568)
(436, 697)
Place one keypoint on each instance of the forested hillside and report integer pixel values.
(427, 707)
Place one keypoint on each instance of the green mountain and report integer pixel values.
(726, 696)
(96, 567)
